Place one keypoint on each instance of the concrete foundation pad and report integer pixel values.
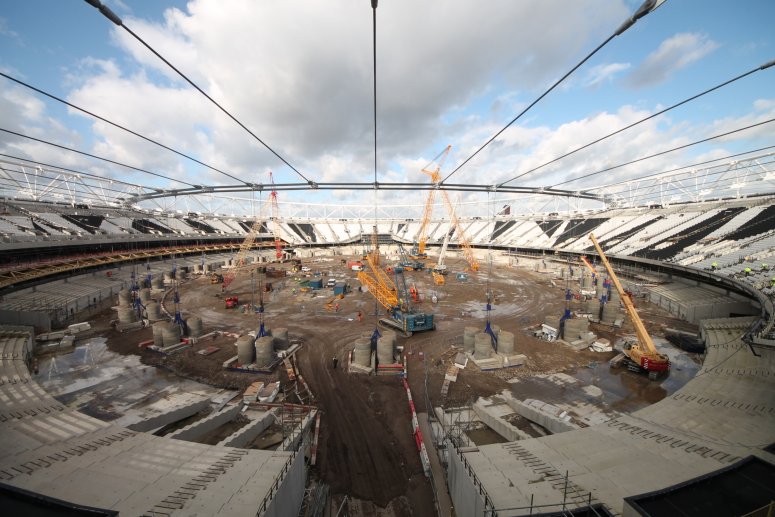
(513, 360)
(578, 345)
(356, 368)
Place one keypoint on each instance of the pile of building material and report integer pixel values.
(601, 344)
(61, 339)
(251, 393)
(547, 332)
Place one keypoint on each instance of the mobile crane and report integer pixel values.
(440, 269)
(642, 352)
(394, 297)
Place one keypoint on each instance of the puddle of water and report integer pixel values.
(609, 389)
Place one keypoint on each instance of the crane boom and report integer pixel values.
(440, 266)
(589, 266)
(644, 353)
(462, 238)
(435, 175)
(244, 248)
(402, 316)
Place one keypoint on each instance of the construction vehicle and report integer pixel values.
(462, 238)
(231, 302)
(407, 262)
(396, 300)
(641, 353)
(415, 253)
(414, 293)
(439, 271)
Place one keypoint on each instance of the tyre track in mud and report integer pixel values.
(366, 448)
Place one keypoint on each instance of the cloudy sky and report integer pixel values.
(449, 72)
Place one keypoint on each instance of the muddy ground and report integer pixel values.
(367, 449)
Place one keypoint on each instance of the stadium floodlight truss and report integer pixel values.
(37, 182)
(746, 174)
(737, 178)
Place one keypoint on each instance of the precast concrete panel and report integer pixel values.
(290, 494)
(465, 496)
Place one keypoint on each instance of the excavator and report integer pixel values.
(640, 353)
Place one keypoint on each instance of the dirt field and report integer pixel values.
(367, 450)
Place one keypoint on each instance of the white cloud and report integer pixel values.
(672, 55)
(762, 111)
(301, 80)
(449, 72)
(603, 73)
(7, 32)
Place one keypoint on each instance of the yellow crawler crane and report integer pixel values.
(642, 352)
(394, 298)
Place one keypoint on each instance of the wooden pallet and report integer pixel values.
(449, 378)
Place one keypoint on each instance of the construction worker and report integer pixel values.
(772, 282)
(765, 266)
(714, 266)
(747, 271)
(336, 307)
(335, 362)
(360, 316)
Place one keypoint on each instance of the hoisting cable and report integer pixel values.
(653, 115)
(119, 126)
(110, 15)
(645, 8)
